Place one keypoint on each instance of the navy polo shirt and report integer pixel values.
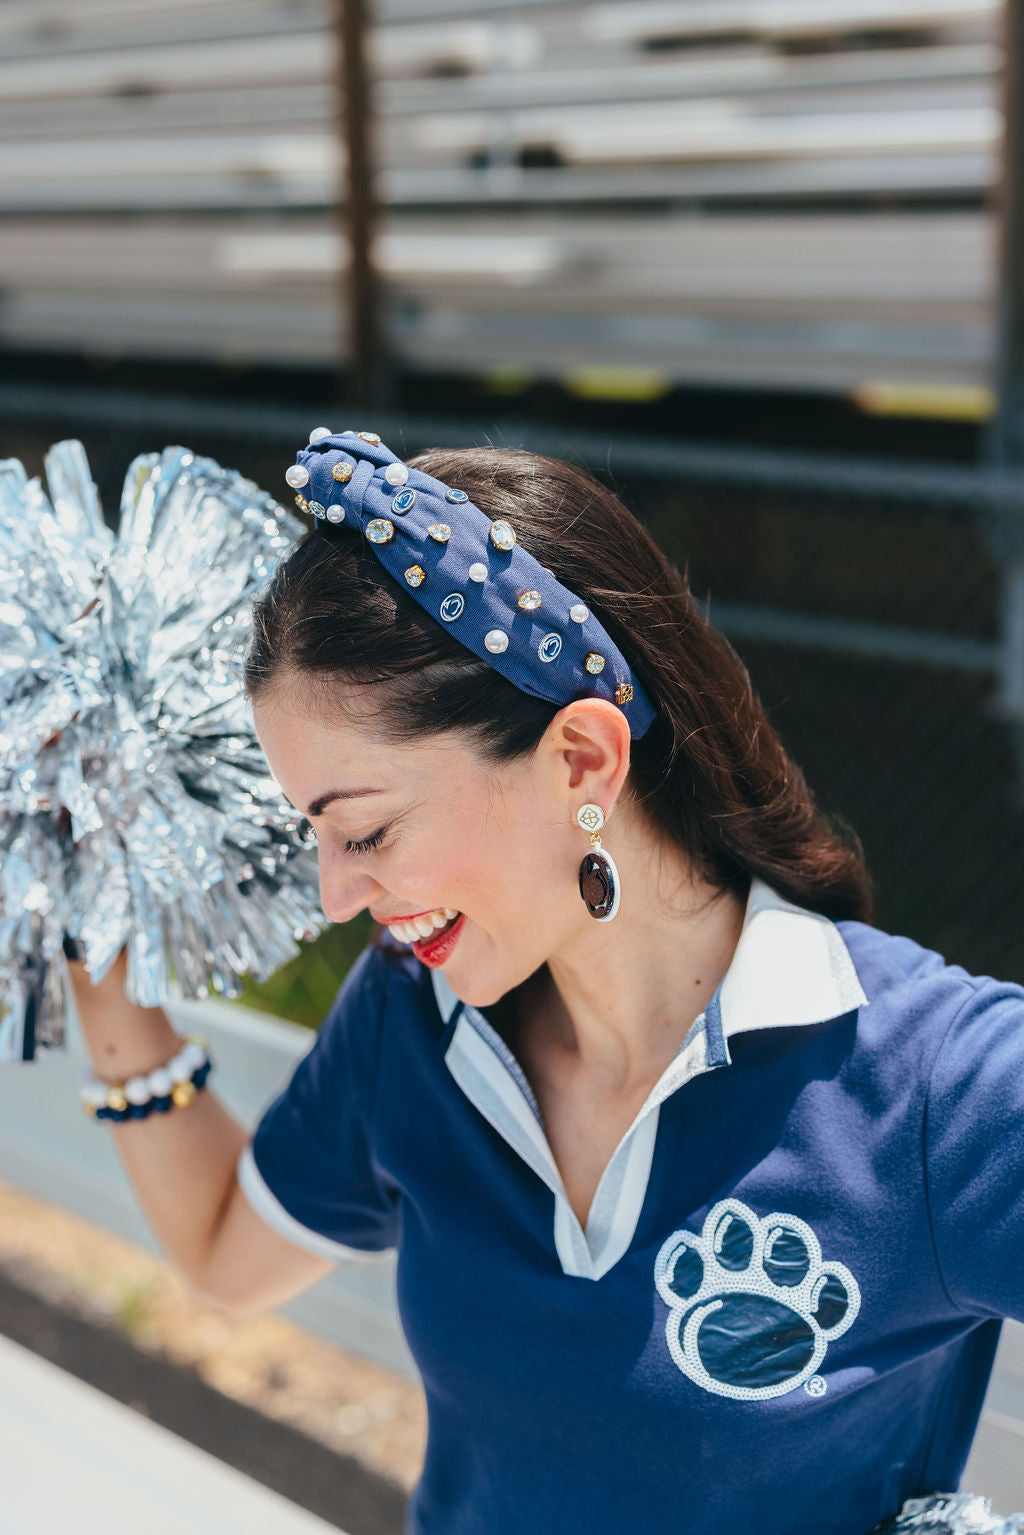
(783, 1311)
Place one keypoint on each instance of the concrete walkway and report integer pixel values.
(75, 1460)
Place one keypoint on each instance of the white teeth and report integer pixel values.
(422, 927)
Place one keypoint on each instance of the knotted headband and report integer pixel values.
(469, 572)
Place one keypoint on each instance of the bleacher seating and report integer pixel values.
(767, 191)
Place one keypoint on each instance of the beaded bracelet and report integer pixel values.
(175, 1084)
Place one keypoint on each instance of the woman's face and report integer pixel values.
(441, 830)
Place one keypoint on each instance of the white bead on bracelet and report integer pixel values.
(157, 1083)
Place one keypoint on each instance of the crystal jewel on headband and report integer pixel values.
(136, 807)
(470, 572)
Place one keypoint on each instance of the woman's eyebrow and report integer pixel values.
(320, 804)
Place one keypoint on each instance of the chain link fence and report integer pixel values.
(878, 606)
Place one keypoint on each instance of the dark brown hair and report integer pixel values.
(710, 773)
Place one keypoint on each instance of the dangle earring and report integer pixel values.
(599, 878)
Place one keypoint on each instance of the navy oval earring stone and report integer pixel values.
(599, 884)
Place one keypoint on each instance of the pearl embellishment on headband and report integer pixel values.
(335, 513)
(296, 476)
(496, 641)
(477, 571)
(396, 474)
(579, 612)
(319, 433)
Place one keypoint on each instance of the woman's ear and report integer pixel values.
(591, 740)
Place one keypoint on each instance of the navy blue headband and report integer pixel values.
(468, 572)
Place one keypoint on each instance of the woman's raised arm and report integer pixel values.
(182, 1164)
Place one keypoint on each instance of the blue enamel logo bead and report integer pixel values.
(455, 495)
(452, 607)
(403, 502)
(549, 647)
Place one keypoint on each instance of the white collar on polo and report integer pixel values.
(790, 966)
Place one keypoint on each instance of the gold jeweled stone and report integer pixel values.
(440, 532)
(116, 1099)
(369, 437)
(415, 575)
(503, 534)
(342, 473)
(183, 1093)
(624, 692)
(594, 662)
(302, 503)
(529, 601)
(379, 530)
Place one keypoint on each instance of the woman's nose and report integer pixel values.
(344, 889)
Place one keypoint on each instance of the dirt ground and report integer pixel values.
(268, 1363)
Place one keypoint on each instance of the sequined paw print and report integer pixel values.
(752, 1307)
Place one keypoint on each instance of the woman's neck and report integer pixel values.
(618, 1003)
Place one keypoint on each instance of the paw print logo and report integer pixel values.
(752, 1307)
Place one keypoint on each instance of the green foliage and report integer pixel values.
(303, 990)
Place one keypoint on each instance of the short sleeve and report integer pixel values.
(974, 1152)
(310, 1169)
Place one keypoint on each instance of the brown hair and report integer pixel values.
(711, 772)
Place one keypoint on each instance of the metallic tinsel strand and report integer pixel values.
(136, 807)
(950, 1513)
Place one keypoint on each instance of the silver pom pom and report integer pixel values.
(136, 807)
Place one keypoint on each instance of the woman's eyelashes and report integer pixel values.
(368, 844)
(308, 834)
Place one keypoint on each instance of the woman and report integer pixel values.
(708, 1217)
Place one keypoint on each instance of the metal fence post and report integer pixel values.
(1004, 526)
(367, 380)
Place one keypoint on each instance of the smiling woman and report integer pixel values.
(715, 1211)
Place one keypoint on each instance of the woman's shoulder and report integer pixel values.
(901, 974)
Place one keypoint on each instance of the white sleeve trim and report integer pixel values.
(267, 1205)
